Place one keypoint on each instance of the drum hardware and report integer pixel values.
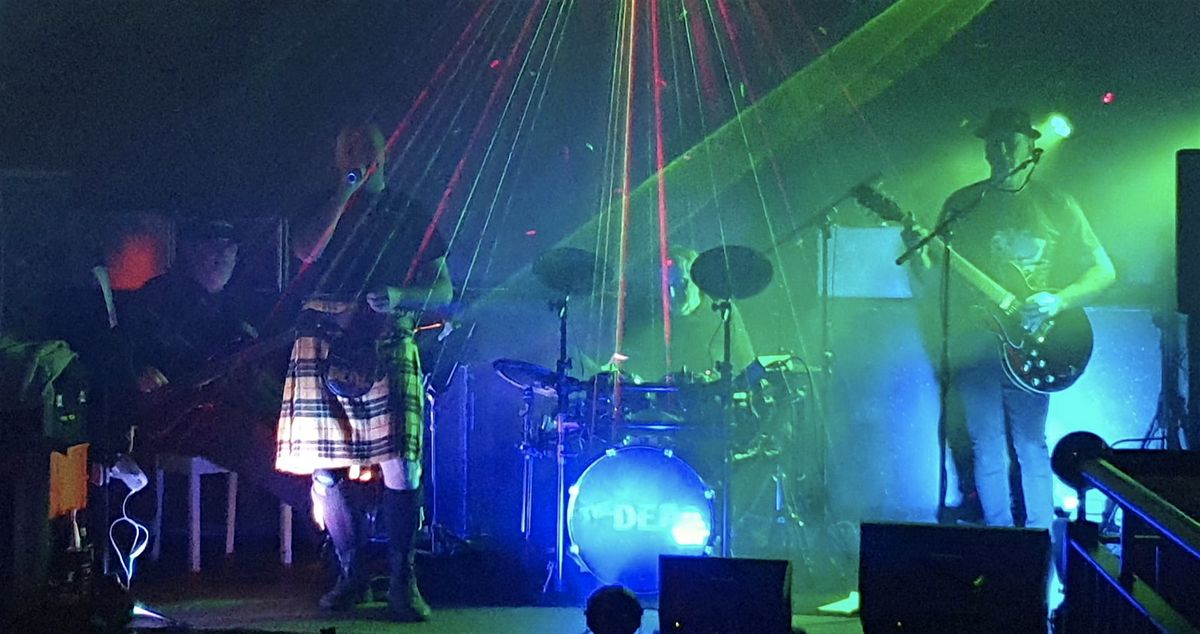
(725, 273)
(541, 380)
(650, 412)
(534, 381)
(570, 272)
(786, 521)
(771, 519)
(529, 452)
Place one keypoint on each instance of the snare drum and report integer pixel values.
(632, 505)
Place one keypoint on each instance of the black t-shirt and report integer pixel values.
(1039, 235)
(377, 241)
(178, 325)
(1039, 231)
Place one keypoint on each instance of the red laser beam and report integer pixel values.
(485, 117)
(626, 194)
(708, 77)
(467, 36)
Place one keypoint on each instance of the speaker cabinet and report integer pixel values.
(708, 594)
(933, 578)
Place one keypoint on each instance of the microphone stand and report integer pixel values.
(944, 231)
(822, 219)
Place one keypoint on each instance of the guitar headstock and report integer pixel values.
(881, 205)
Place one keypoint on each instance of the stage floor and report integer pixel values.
(287, 603)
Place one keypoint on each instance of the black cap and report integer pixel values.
(1007, 120)
(205, 230)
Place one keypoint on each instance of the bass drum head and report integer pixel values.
(632, 505)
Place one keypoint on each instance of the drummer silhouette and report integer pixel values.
(692, 348)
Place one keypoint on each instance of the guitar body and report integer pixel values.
(1048, 359)
(1051, 357)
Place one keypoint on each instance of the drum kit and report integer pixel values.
(637, 500)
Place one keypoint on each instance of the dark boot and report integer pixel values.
(347, 530)
(402, 513)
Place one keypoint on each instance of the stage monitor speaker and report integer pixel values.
(709, 594)
(933, 578)
(1187, 231)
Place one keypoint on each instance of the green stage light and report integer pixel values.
(1060, 125)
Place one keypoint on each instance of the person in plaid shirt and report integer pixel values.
(353, 395)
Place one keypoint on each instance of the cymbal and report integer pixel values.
(731, 272)
(540, 379)
(567, 270)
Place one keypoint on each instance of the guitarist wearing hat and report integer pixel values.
(1036, 243)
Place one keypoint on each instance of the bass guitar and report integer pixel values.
(1045, 359)
(162, 409)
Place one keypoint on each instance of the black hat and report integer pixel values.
(1007, 120)
(204, 230)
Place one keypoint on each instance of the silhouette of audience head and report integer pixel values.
(613, 610)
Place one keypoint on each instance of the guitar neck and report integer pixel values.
(888, 210)
(981, 281)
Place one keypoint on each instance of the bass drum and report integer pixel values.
(632, 505)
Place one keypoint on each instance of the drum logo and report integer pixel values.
(685, 523)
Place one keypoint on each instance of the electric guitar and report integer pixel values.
(163, 409)
(1046, 359)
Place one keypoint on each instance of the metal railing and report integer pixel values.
(1149, 580)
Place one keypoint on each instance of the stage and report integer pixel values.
(278, 600)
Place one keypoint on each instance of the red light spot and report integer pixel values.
(531, 232)
(1108, 97)
(495, 64)
(137, 258)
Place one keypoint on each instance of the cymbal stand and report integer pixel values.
(725, 369)
(561, 367)
(529, 452)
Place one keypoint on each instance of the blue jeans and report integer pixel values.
(996, 413)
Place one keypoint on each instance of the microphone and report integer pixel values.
(1033, 159)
